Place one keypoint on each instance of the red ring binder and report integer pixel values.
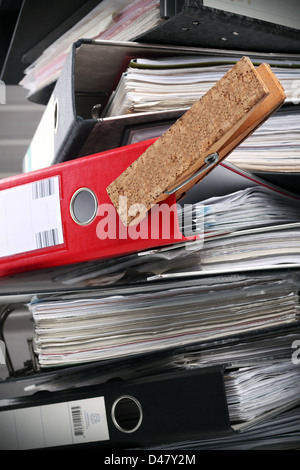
(68, 241)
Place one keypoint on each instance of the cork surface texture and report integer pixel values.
(181, 150)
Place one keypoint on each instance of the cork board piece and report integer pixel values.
(205, 128)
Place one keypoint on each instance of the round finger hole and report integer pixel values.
(83, 206)
(127, 414)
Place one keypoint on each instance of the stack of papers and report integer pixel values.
(242, 210)
(274, 147)
(249, 248)
(164, 84)
(76, 329)
(176, 83)
(254, 390)
(222, 224)
(246, 229)
(277, 346)
(260, 375)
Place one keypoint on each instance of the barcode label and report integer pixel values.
(77, 421)
(47, 238)
(30, 217)
(43, 188)
(54, 424)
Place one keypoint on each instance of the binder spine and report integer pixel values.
(165, 408)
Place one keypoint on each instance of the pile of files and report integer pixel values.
(261, 381)
(222, 299)
(133, 318)
(80, 328)
(251, 326)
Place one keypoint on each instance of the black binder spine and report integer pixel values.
(159, 409)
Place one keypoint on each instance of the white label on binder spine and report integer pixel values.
(55, 425)
(30, 217)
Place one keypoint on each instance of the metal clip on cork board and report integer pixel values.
(209, 161)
